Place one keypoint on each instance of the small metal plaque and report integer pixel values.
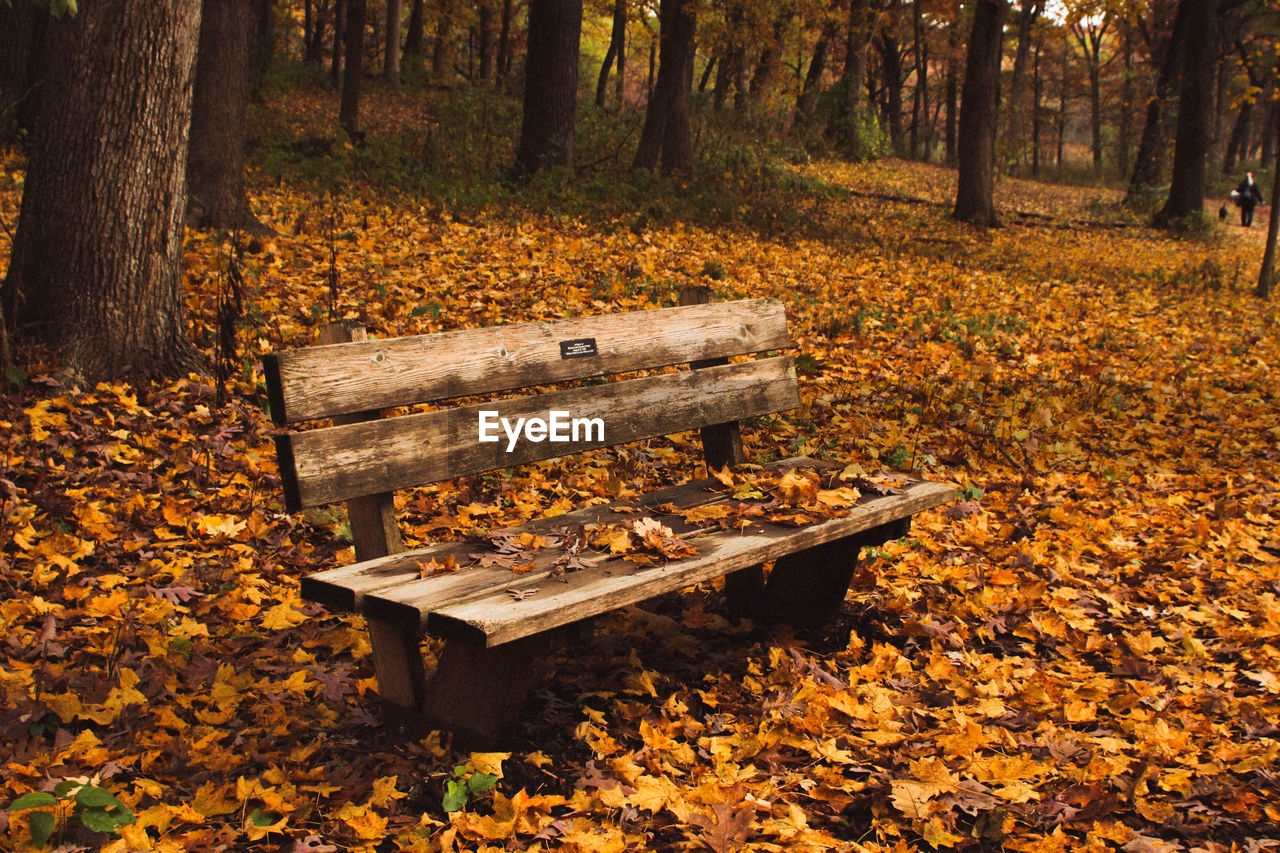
(578, 348)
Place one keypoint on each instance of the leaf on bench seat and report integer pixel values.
(431, 568)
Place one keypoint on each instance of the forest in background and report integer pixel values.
(1081, 653)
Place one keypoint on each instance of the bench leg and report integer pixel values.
(744, 593)
(807, 588)
(477, 692)
(402, 680)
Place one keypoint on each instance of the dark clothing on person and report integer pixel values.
(1248, 196)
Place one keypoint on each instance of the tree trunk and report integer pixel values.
(339, 32)
(353, 74)
(442, 50)
(1062, 99)
(1148, 162)
(1015, 109)
(1239, 133)
(1037, 90)
(503, 63)
(551, 86)
(891, 73)
(485, 40)
(978, 115)
(807, 101)
(767, 67)
(391, 61)
(1267, 275)
(262, 47)
(414, 37)
(1195, 114)
(313, 47)
(953, 91)
(667, 129)
(96, 267)
(848, 121)
(215, 159)
(1124, 135)
(617, 47)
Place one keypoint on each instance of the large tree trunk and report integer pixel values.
(391, 58)
(667, 130)
(1148, 162)
(215, 159)
(353, 72)
(1195, 113)
(551, 85)
(413, 38)
(96, 269)
(979, 111)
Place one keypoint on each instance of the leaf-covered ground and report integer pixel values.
(1080, 654)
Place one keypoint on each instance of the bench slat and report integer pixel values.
(322, 381)
(491, 615)
(335, 463)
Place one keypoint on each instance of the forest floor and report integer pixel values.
(1082, 653)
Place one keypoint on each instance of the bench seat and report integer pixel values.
(493, 605)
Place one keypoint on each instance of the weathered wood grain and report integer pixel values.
(321, 381)
(343, 588)
(335, 463)
(485, 607)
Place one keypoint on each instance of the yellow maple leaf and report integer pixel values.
(363, 821)
(282, 617)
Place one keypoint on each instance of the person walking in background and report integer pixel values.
(1248, 196)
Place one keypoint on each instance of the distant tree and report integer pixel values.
(617, 53)
(850, 123)
(667, 131)
(1016, 113)
(485, 39)
(1090, 31)
(807, 101)
(551, 86)
(353, 70)
(96, 267)
(391, 56)
(979, 111)
(215, 160)
(1195, 113)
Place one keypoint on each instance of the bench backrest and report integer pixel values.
(364, 454)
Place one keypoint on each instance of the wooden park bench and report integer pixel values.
(494, 621)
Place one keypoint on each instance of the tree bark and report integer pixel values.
(391, 60)
(848, 121)
(808, 99)
(22, 28)
(339, 32)
(891, 73)
(667, 129)
(1148, 162)
(442, 49)
(96, 268)
(215, 159)
(413, 37)
(1267, 275)
(1015, 112)
(617, 48)
(952, 91)
(551, 86)
(353, 73)
(979, 112)
(503, 63)
(484, 39)
(1124, 135)
(1037, 90)
(1195, 114)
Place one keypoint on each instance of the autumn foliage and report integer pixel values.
(1080, 654)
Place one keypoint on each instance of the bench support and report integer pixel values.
(807, 588)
